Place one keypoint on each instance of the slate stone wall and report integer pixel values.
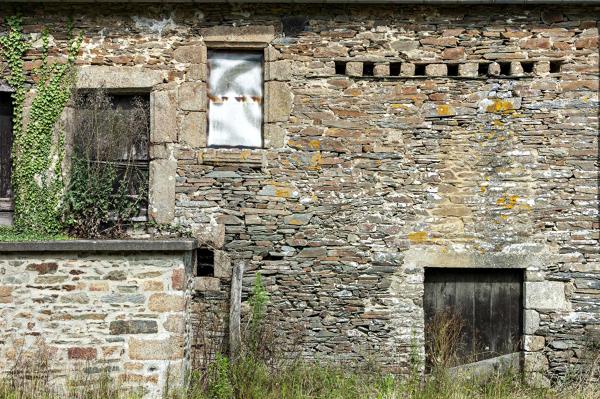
(90, 313)
(396, 138)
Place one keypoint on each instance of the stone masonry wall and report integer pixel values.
(396, 138)
(89, 313)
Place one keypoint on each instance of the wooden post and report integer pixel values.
(235, 306)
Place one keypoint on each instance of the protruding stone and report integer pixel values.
(541, 68)
(354, 68)
(468, 69)
(494, 69)
(381, 69)
(516, 69)
(436, 70)
(407, 69)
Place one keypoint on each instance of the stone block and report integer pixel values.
(535, 362)
(5, 294)
(494, 69)
(121, 77)
(195, 54)
(162, 302)
(533, 343)
(354, 68)
(207, 284)
(541, 68)
(43, 268)
(278, 102)
(454, 53)
(407, 69)
(222, 265)
(546, 295)
(516, 69)
(436, 70)
(178, 279)
(161, 151)
(239, 34)
(175, 323)
(274, 136)
(193, 129)
(119, 327)
(192, 96)
(468, 69)
(405, 45)
(278, 70)
(156, 349)
(381, 69)
(531, 322)
(80, 353)
(196, 72)
(161, 197)
(163, 105)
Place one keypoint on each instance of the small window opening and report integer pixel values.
(395, 68)
(527, 67)
(504, 68)
(483, 69)
(340, 68)
(555, 66)
(205, 262)
(452, 69)
(368, 68)
(420, 69)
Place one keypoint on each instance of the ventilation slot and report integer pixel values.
(205, 262)
(340, 68)
(420, 69)
(368, 68)
(272, 257)
(504, 68)
(452, 69)
(555, 66)
(395, 68)
(527, 67)
(483, 69)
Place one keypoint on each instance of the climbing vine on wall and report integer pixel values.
(38, 148)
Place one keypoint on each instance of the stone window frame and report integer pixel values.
(277, 95)
(162, 164)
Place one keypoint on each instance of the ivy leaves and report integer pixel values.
(38, 149)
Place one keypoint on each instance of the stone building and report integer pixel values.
(395, 159)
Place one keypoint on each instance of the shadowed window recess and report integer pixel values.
(6, 139)
(235, 99)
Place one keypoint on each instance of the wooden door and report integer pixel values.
(488, 304)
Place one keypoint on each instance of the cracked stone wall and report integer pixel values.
(396, 138)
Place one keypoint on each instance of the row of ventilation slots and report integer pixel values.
(369, 67)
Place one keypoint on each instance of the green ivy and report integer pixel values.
(38, 150)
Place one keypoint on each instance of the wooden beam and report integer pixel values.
(235, 307)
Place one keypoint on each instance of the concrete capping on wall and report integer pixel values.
(100, 246)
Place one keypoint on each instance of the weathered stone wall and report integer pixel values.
(474, 144)
(120, 313)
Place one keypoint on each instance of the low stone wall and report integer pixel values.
(92, 310)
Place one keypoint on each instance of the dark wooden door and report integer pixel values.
(487, 303)
(6, 138)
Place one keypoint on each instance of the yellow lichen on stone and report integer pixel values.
(245, 154)
(443, 110)
(314, 144)
(499, 105)
(417, 236)
(283, 193)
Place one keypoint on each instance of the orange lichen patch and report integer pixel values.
(483, 188)
(417, 236)
(245, 154)
(283, 193)
(499, 105)
(315, 162)
(443, 110)
(314, 144)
